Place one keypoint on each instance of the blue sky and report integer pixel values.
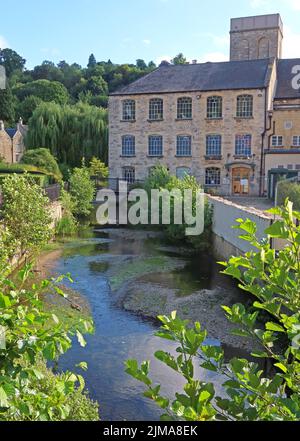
(124, 30)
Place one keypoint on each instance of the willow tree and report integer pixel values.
(69, 132)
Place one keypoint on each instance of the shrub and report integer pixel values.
(248, 392)
(98, 168)
(67, 225)
(159, 179)
(44, 160)
(25, 212)
(289, 190)
(31, 337)
(82, 191)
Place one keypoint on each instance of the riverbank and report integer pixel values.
(155, 284)
(70, 309)
(152, 281)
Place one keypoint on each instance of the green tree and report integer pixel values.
(11, 61)
(249, 393)
(47, 71)
(26, 108)
(43, 159)
(140, 64)
(161, 179)
(98, 168)
(45, 90)
(92, 61)
(7, 112)
(179, 59)
(25, 212)
(82, 191)
(70, 132)
(67, 225)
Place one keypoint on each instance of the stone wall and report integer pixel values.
(11, 149)
(256, 37)
(225, 214)
(198, 127)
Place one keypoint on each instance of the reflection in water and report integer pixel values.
(120, 335)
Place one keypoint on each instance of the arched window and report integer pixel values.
(212, 176)
(263, 48)
(244, 107)
(128, 145)
(128, 110)
(182, 172)
(156, 109)
(184, 108)
(214, 107)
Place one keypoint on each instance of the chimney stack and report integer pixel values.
(20, 124)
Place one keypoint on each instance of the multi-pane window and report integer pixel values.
(128, 110)
(212, 176)
(277, 141)
(156, 109)
(296, 141)
(243, 145)
(214, 107)
(184, 146)
(184, 108)
(182, 172)
(128, 145)
(129, 175)
(155, 147)
(213, 145)
(244, 106)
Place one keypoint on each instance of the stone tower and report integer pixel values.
(252, 38)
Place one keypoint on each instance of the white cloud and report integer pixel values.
(3, 42)
(291, 43)
(213, 57)
(146, 41)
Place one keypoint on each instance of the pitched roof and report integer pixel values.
(228, 75)
(285, 77)
(11, 132)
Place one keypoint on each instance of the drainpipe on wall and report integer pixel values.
(262, 156)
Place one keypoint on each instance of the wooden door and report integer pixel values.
(240, 181)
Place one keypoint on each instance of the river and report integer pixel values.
(95, 263)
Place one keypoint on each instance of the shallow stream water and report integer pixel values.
(119, 334)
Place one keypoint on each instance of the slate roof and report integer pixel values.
(284, 79)
(230, 75)
(11, 132)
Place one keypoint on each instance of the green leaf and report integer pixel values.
(82, 365)
(3, 398)
(270, 326)
(80, 339)
(281, 366)
(278, 230)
